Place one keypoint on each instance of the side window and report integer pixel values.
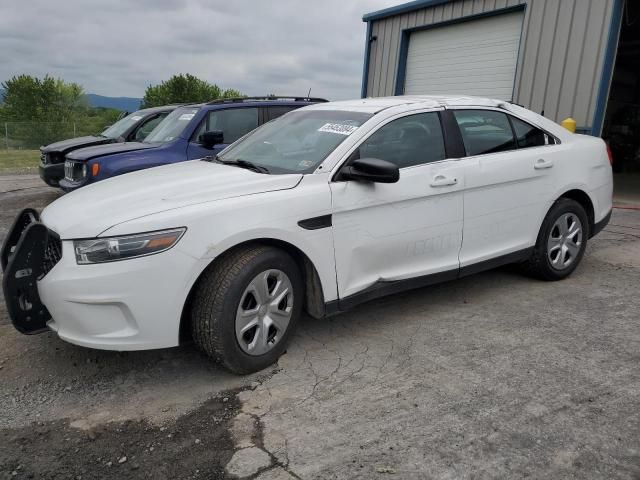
(200, 130)
(408, 141)
(148, 126)
(234, 122)
(485, 131)
(528, 135)
(275, 112)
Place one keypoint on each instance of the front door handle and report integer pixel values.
(541, 163)
(443, 181)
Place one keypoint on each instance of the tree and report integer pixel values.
(28, 98)
(184, 89)
(40, 111)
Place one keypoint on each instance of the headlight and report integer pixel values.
(100, 250)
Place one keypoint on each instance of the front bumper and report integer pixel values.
(134, 304)
(69, 186)
(51, 173)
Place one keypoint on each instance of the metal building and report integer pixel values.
(552, 56)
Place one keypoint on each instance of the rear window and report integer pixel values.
(485, 131)
(528, 135)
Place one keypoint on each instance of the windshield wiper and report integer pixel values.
(242, 164)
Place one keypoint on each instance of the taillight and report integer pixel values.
(610, 154)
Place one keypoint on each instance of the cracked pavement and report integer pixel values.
(492, 376)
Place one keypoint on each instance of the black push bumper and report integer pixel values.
(29, 252)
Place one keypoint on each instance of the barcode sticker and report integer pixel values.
(338, 128)
(186, 116)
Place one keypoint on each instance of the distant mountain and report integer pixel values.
(129, 104)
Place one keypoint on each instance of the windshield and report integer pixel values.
(172, 126)
(296, 142)
(119, 128)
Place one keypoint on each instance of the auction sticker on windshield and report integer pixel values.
(339, 128)
(186, 116)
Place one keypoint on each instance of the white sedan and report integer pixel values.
(322, 209)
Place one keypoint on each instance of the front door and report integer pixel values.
(404, 230)
(232, 122)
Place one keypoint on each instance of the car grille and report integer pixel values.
(51, 158)
(74, 171)
(52, 252)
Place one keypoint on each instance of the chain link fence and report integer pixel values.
(33, 135)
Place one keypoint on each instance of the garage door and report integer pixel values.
(477, 57)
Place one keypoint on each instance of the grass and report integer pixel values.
(19, 161)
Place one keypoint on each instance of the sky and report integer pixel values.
(119, 47)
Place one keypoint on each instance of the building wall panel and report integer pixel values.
(562, 51)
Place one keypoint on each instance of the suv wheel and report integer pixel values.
(561, 242)
(246, 307)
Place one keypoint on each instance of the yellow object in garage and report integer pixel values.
(570, 124)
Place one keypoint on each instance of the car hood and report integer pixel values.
(89, 211)
(86, 154)
(65, 146)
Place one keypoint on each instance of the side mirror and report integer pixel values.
(212, 138)
(372, 170)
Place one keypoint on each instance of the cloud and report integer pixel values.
(119, 47)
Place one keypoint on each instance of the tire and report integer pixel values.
(239, 290)
(547, 260)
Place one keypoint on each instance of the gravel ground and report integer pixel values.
(492, 376)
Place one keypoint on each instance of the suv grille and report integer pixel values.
(52, 252)
(74, 171)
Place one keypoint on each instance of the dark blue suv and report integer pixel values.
(189, 132)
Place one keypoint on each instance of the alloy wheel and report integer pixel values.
(565, 240)
(264, 312)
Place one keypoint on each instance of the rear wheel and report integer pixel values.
(246, 307)
(561, 241)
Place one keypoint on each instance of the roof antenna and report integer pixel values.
(309, 94)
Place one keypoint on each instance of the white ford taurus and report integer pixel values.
(324, 208)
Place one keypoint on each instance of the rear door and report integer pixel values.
(233, 122)
(508, 172)
(399, 231)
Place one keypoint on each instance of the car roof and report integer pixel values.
(377, 104)
(163, 108)
(252, 102)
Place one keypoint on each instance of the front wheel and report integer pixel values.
(246, 307)
(561, 241)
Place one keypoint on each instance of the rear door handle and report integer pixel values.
(541, 163)
(443, 181)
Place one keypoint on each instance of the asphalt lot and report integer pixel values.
(492, 376)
